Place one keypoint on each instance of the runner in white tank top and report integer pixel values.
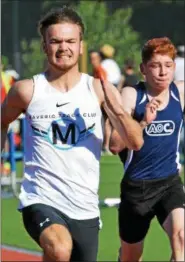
(59, 199)
(63, 146)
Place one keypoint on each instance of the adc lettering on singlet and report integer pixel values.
(160, 128)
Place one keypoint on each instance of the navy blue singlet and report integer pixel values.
(159, 156)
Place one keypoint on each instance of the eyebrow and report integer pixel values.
(167, 62)
(59, 39)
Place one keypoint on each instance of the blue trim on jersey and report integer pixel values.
(85, 133)
(158, 158)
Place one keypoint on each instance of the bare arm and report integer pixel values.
(128, 94)
(15, 103)
(128, 129)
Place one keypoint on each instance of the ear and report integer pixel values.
(142, 69)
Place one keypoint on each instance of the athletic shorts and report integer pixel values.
(84, 233)
(142, 200)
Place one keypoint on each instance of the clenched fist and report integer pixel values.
(151, 110)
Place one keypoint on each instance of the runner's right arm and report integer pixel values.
(15, 103)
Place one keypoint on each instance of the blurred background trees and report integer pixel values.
(101, 27)
(124, 24)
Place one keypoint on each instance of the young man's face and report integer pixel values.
(63, 45)
(159, 71)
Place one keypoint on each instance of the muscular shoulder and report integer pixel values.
(21, 93)
(180, 86)
(129, 96)
(16, 101)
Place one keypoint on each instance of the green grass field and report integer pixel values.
(156, 244)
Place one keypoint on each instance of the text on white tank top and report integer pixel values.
(64, 134)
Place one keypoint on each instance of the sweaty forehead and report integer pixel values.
(63, 30)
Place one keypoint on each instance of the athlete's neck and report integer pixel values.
(154, 92)
(63, 81)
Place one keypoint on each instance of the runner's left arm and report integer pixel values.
(128, 129)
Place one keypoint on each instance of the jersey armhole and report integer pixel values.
(33, 94)
(91, 88)
(174, 91)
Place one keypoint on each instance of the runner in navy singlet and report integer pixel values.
(151, 185)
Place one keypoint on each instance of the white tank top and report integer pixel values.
(63, 147)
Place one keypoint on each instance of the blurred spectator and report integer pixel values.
(129, 77)
(109, 64)
(8, 78)
(3, 90)
(5, 83)
(179, 60)
(16, 125)
(98, 70)
(13, 76)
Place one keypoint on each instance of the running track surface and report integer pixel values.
(9, 253)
